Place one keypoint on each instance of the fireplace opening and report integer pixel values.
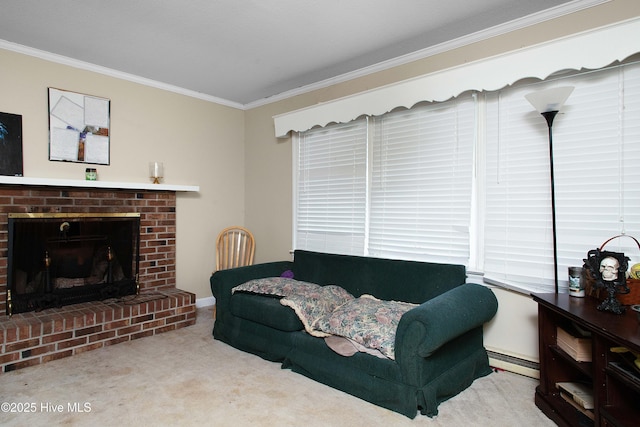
(62, 259)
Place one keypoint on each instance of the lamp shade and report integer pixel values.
(549, 99)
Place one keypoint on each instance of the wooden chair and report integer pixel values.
(235, 247)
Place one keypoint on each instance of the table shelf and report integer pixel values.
(614, 382)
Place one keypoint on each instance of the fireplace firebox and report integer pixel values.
(61, 259)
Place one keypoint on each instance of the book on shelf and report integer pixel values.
(588, 412)
(576, 343)
(581, 394)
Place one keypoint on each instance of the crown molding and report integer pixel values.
(87, 66)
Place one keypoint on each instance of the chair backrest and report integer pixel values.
(235, 247)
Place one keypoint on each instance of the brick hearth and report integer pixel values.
(28, 339)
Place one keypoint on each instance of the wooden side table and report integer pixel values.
(611, 377)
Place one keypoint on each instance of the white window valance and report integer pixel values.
(587, 50)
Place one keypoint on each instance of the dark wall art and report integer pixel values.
(10, 144)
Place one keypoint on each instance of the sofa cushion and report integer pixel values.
(367, 321)
(346, 347)
(265, 310)
(315, 355)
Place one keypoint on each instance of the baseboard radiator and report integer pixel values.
(514, 364)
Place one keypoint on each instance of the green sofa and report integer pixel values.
(438, 344)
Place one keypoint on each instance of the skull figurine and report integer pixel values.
(609, 269)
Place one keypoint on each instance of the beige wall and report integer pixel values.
(200, 143)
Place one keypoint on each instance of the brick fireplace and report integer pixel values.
(36, 337)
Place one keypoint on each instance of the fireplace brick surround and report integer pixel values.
(28, 339)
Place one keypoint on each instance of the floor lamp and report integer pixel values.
(548, 103)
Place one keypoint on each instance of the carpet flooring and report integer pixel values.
(186, 378)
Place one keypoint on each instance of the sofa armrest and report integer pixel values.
(426, 328)
(223, 281)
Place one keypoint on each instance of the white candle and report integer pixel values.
(155, 170)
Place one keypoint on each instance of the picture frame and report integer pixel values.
(79, 127)
(607, 267)
(608, 271)
(11, 163)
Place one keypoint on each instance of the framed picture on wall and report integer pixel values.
(78, 127)
(10, 144)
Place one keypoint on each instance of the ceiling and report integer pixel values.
(243, 52)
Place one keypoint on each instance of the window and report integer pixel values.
(467, 180)
(596, 149)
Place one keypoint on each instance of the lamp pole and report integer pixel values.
(548, 103)
(549, 116)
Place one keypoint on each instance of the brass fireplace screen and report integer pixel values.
(60, 259)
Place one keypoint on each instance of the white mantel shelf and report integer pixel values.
(53, 182)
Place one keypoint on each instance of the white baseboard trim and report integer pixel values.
(515, 368)
(513, 364)
(205, 302)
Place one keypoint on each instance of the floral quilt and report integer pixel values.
(332, 311)
(368, 321)
(276, 286)
(308, 300)
(311, 305)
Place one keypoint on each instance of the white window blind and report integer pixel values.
(422, 163)
(331, 189)
(597, 179)
(417, 206)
